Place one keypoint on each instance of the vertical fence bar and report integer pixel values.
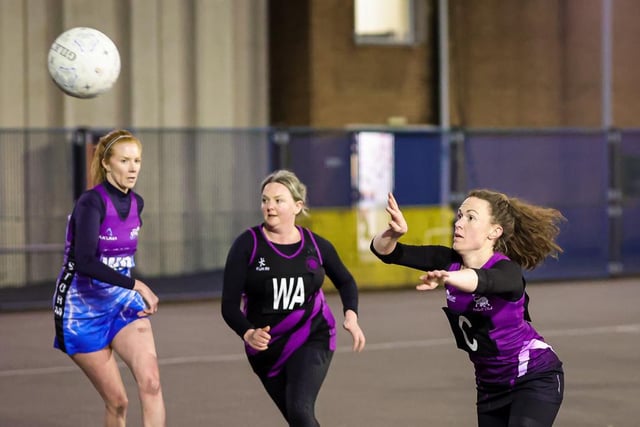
(614, 202)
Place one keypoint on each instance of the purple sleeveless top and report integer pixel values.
(118, 238)
(502, 345)
(294, 321)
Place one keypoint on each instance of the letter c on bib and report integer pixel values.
(473, 346)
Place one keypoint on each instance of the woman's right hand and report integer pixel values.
(385, 242)
(258, 339)
(397, 225)
(150, 298)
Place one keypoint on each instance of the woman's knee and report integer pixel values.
(301, 415)
(117, 404)
(149, 382)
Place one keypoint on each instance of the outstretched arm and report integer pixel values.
(385, 245)
(504, 278)
(466, 280)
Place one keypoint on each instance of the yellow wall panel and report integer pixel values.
(348, 230)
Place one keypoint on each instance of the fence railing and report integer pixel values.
(201, 188)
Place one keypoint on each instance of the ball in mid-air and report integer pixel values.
(84, 62)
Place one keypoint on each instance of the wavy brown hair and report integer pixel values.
(104, 151)
(529, 231)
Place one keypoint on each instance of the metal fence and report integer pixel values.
(201, 188)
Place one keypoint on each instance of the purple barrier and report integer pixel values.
(630, 163)
(564, 170)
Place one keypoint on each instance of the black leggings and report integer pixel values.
(295, 389)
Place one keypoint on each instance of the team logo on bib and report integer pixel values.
(312, 263)
(108, 235)
(134, 233)
(262, 265)
(482, 303)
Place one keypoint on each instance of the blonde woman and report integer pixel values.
(277, 269)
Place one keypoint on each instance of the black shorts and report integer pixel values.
(545, 386)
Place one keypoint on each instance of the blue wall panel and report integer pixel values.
(321, 161)
(418, 168)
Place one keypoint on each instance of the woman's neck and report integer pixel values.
(114, 185)
(476, 259)
(282, 237)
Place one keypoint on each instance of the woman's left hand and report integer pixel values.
(432, 279)
(150, 298)
(351, 325)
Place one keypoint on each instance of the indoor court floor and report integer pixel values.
(410, 373)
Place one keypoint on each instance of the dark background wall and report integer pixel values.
(513, 63)
(320, 77)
